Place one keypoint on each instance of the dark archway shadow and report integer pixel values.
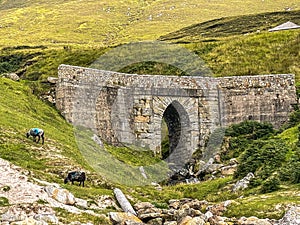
(176, 150)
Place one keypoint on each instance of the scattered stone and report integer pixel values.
(291, 217)
(60, 195)
(124, 203)
(243, 183)
(52, 80)
(174, 203)
(253, 221)
(208, 215)
(48, 218)
(120, 217)
(12, 76)
(106, 201)
(81, 203)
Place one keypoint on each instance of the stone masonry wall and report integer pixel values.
(129, 108)
(262, 98)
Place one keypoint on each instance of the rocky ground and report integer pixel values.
(32, 202)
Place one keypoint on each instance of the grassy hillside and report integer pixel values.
(102, 23)
(237, 25)
(21, 110)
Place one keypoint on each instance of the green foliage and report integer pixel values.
(210, 190)
(132, 155)
(3, 201)
(291, 171)
(13, 62)
(250, 129)
(270, 185)
(272, 159)
(99, 23)
(165, 148)
(294, 119)
(262, 158)
(234, 147)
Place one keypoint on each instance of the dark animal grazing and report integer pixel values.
(75, 176)
(36, 133)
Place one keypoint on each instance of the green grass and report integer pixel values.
(100, 23)
(20, 110)
(67, 217)
(230, 26)
(270, 206)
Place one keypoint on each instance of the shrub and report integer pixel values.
(270, 185)
(294, 119)
(4, 201)
(250, 129)
(291, 171)
(262, 158)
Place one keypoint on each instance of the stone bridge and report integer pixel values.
(132, 109)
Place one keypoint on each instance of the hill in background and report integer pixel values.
(103, 23)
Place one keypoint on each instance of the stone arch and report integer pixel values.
(181, 117)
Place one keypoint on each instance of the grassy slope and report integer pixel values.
(232, 25)
(100, 23)
(21, 110)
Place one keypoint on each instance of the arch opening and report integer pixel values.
(175, 135)
(171, 130)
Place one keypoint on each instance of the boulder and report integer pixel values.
(228, 170)
(12, 76)
(191, 221)
(60, 195)
(48, 218)
(52, 80)
(253, 221)
(106, 201)
(243, 183)
(81, 203)
(122, 217)
(291, 217)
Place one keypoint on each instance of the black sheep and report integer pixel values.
(75, 176)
